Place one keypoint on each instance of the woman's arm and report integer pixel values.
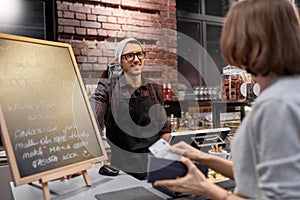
(194, 182)
(225, 167)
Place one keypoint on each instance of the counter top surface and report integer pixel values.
(75, 188)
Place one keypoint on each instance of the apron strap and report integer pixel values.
(114, 91)
(152, 92)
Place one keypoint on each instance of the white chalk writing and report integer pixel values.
(40, 116)
(31, 143)
(80, 144)
(44, 161)
(28, 144)
(79, 135)
(33, 153)
(60, 138)
(69, 156)
(31, 132)
(30, 105)
(59, 148)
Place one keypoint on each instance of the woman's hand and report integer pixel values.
(225, 167)
(194, 182)
(182, 148)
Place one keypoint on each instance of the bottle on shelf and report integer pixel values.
(173, 123)
(187, 120)
(181, 120)
(169, 92)
(201, 93)
(196, 92)
(164, 91)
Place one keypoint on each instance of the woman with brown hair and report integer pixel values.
(262, 37)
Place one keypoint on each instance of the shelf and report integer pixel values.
(219, 107)
(175, 107)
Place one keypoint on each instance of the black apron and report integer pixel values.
(132, 133)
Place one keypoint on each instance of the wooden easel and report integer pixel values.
(44, 181)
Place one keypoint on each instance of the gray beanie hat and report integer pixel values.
(120, 47)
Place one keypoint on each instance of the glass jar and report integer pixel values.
(232, 79)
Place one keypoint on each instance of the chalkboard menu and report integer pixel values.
(47, 124)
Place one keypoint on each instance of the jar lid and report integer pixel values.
(229, 70)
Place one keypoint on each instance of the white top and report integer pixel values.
(266, 146)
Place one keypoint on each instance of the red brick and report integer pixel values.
(112, 33)
(172, 9)
(68, 22)
(76, 51)
(90, 52)
(100, 67)
(102, 18)
(81, 59)
(121, 34)
(119, 13)
(101, 11)
(60, 29)
(80, 31)
(67, 14)
(121, 20)
(59, 14)
(88, 24)
(86, 66)
(133, 34)
(103, 60)
(102, 32)
(108, 45)
(148, 30)
(80, 16)
(108, 52)
(163, 14)
(150, 24)
(129, 28)
(170, 21)
(111, 19)
(68, 29)
(91, 17)
(111, 1)
(62, 6)
(149, 1)
(102, 45)
(110, 26)
(90, 31)
(92, 59)
(135, 22)
(78, 44)
(153, 18)
(172, 4)
(151, 6)
(79, 8)
(131, 3)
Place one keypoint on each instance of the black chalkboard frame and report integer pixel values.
(55, 173)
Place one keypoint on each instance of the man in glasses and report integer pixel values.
(131, 107)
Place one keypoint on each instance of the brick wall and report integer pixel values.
(94, 28)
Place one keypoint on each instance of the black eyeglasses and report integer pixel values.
(130, 56)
